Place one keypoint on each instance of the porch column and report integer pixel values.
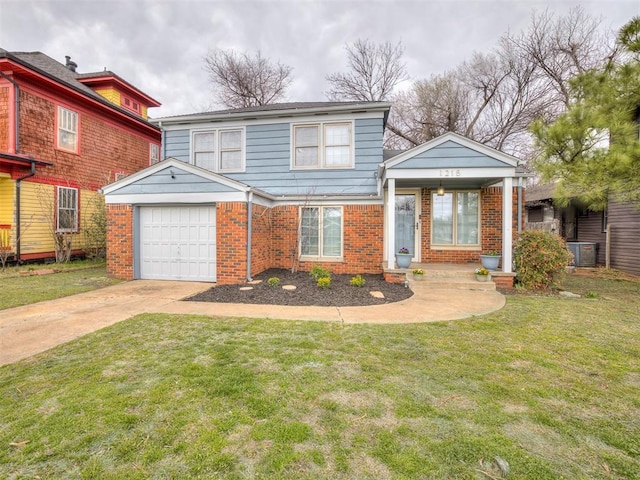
(391, 222)
(507, 220)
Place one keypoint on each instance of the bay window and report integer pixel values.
(455, 219)
(321, 233)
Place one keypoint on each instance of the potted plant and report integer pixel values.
(490, 260)
(403, 258)
(482, 274)
(418, 274)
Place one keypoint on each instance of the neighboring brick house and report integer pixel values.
(304, 184)
(63, 136)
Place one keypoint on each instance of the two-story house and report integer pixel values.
(299, 184)
(63, 135)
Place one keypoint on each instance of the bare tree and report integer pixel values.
(494, 98)
(244, 80)
(374, 70)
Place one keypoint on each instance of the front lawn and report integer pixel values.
(70, 278)
(548, 385)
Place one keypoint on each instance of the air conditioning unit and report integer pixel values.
(584, 253)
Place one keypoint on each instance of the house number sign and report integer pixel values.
(450, 173)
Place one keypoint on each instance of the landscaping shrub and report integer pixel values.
(357, 281)
(273, 282)
(539, 257)
(318, 272)
(324, 282)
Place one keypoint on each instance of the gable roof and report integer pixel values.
(278, 110)
(178, 164)
(470, 154)
(42, 64)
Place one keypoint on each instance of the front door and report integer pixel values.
(407, 224)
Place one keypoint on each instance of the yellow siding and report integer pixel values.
(7, 191)
(37, 212)
(90, 201)
(110, 94)
(144, 112)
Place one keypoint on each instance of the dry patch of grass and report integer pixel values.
(548, 384)
(69, 279)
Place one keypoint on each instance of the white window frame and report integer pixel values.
(323, 145)
(60, 207)
(154, 153)
(68, 123)
(320, 257)
(217, 162)
(454, 219)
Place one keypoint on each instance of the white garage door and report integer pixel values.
(178, 243)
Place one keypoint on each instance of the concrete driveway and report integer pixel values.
(25, 331)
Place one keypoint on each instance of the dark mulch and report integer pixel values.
(341, 293)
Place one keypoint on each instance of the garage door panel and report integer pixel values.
(178, 243)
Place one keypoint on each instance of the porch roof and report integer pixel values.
(451, 160)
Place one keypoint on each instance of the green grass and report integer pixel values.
(76, 277)
(548, 384)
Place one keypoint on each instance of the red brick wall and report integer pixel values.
(120, 241)
(261, 240)
(231, 242)
(104, 147)
(491, 228)
(362, 242)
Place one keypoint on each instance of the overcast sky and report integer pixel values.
(159, 46)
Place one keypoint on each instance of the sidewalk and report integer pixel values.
(25, 331)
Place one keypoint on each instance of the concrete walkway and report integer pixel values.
(25, 331)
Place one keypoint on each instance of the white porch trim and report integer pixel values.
(507, 220)
(391, 222)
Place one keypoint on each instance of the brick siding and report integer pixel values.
(120, 241)
(490, 228)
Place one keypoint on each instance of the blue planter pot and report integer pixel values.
(403, 260)
(490, 262)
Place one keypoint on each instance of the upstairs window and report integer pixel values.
(130, 104)
(219, 150)
(67, 130)
(154, 153)
(323, 145)
(67, 210)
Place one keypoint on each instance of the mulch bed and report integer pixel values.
(307, 293)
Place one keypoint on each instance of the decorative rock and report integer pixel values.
(243, 289)
(289, 287)
(377, 294)
(569, 295)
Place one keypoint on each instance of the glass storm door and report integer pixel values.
(406, 223)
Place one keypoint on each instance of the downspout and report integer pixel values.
(249, 236)
(16, 95)
(163, 143)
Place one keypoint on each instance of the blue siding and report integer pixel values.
(450, 155)
(184, 182)
(268, 161)
(177, 144)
